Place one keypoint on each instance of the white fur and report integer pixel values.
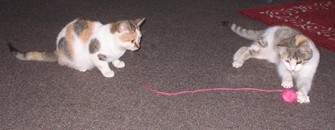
(269, 52)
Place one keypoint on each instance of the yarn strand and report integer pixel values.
(210, 89)
(288, 95)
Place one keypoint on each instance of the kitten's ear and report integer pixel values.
(139, 21)
(300, 39)
(120, 27)
(304, 47)
(123, 27)
(282, 45)
(305, 50)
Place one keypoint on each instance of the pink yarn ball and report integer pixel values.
(289, 95)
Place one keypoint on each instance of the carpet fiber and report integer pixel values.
(314, 18)
(184, 47)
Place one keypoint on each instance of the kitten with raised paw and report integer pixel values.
(85, 44)
(295, 55)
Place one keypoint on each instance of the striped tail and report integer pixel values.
(33, 55)
(243, 32)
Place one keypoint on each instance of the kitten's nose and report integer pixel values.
(137, 45)
(293, 68)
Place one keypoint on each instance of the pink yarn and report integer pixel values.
(288, 95)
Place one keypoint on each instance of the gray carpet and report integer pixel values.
(183, 48)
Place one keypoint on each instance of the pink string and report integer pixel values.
(210, 89)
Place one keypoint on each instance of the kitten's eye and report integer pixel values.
(288, 61)
(299, 62)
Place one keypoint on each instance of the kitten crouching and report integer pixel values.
(86, 44)
(295, 55)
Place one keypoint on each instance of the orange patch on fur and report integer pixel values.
(69, 38)
(128, 37)
(69, 33)
(36, 55)
(300, 39)
(86, 34)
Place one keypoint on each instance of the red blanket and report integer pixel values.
(315, 18)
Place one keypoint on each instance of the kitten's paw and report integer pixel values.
(119, 64)
(82, 69)
(302, 98)
(237, 63)
(287, 84)
(109, 74)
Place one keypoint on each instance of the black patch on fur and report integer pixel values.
(63, 46)
(252, 52)
(12, 48)
(94, 46)
(102, 57)
(80, 26)
(262, 42)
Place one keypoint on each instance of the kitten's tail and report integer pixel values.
(33, 55)
(243, 32)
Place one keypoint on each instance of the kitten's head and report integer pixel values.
(128, 33)
(295, 52)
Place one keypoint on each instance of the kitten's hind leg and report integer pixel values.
(65, 62)
(238, 57)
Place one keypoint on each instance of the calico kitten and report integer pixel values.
(295, 55)
(85, 44)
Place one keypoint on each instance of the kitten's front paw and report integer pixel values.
(302, 98)
(82, 69)
(119, 64)
(287, 84)
(109, 74)
(237, 63)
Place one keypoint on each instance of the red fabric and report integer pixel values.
(315, 18)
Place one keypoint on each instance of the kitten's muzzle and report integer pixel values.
(136, 47)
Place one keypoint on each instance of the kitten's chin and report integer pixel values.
(297, 69)
(293, 69)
